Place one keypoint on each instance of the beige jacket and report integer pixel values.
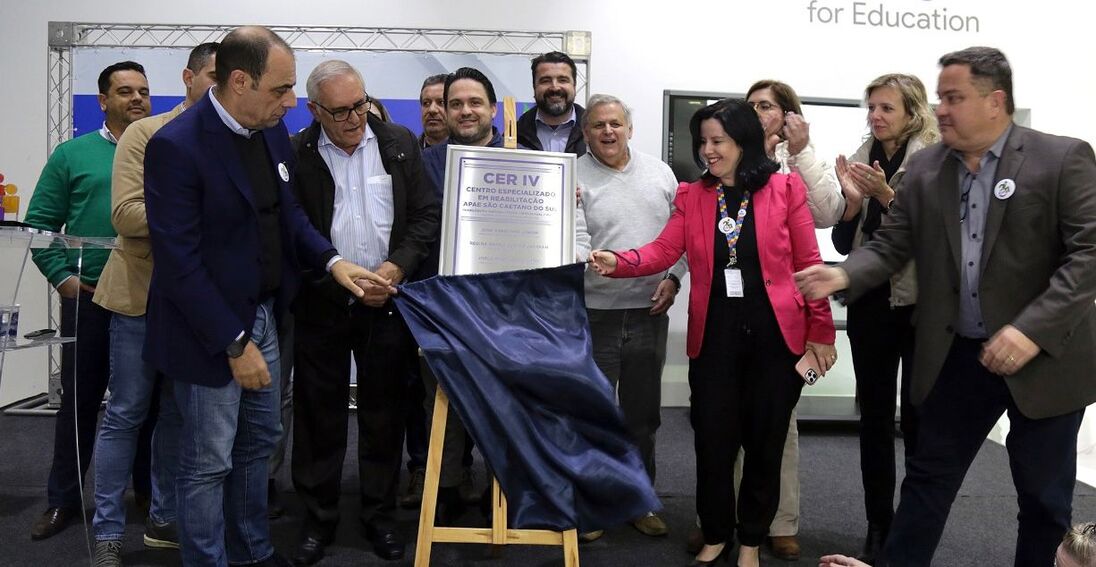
(824, 198)
(123, 286)
(904, 282)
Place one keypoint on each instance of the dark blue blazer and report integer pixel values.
(204, 230)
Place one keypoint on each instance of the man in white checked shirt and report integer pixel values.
(361, 182)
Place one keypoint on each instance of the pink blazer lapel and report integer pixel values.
(762, 205)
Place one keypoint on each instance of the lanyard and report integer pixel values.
(728, 227)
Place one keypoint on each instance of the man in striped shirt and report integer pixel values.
(362, 184)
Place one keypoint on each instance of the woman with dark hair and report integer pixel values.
(788, 142)
(880, 323)
(745, 230)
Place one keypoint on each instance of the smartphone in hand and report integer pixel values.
(808, 368)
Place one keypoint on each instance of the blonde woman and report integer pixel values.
(879, 323)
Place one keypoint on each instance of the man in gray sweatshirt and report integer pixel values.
(626, 198)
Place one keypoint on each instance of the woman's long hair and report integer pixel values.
(922, 121)
(741, 123)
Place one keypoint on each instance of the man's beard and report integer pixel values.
(472, 139)
(554, 108)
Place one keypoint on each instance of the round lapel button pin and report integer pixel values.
(1004, 189)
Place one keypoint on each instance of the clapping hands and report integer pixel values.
(868, 180)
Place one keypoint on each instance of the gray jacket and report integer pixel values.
(1038, 269)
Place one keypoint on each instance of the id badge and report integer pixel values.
(733, 276)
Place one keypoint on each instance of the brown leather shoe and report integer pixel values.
(52, 522)
(785, 547)
(590, 536)
(651, 524)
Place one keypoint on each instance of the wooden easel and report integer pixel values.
(498, 534)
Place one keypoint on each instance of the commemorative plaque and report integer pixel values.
(507, 210)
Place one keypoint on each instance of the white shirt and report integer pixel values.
(228, 119)
(361, 224)
(107, 134)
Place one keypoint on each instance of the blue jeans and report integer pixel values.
(227, 438)
(132, 391)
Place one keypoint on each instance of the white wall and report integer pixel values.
(638, 51)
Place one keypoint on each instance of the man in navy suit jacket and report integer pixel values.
(229, 240)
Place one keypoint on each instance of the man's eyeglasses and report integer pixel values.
(964, 199)
(764, 106)
(342, 114)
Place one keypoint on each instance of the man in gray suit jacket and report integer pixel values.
(1001, 221)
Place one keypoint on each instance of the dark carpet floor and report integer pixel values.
(981, 530)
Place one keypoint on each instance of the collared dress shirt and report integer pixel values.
(361, 225)
(554, 138)
(977, 190)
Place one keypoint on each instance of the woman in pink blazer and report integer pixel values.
(746, 230)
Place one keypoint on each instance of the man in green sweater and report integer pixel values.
(73, 194)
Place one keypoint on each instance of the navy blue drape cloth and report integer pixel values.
(512, 350)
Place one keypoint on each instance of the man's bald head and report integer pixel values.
(247, 49)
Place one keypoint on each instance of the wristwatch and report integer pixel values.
(890, 204)
(236, 348)
(677, 282)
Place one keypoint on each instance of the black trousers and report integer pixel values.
(743, 390)
(456, 453)
(881, 337)
(418, 438)
(378, 339)
(85, 374)
(965, 403)
(630, 349)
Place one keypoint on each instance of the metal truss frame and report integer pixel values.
(65, 37)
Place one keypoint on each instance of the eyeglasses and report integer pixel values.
(964, 200)
(343, 114)
(764, 106)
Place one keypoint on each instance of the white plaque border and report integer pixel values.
(453, 195)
